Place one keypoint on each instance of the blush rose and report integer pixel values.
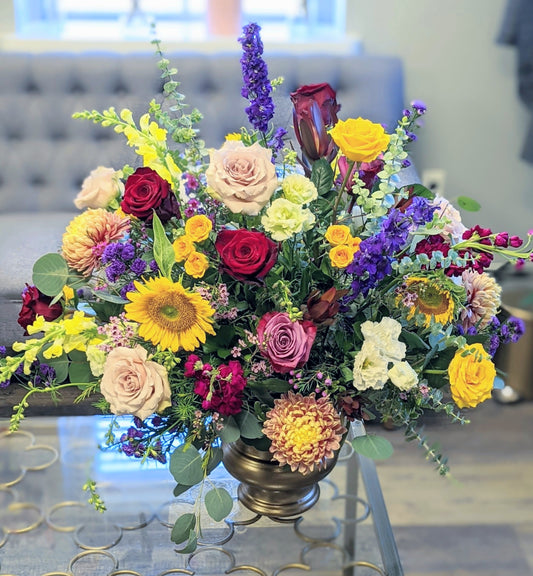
(242, 177)
(134, 385)
(286, 344)
(99, 189)
(144, 192)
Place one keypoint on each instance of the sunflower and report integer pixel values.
(169, 314)
(428, 297)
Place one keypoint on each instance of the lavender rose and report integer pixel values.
(286, 344)
(242, 177)
(133, 385)
(99, 189)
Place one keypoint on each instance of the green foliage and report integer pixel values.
(50, 274)
(186, 465)
(163, 250)
(218, 503)
(373, 446)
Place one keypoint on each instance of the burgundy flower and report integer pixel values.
(36, 303)
(315, 110)
(246, 255)
(323, 307)
(368, 172)
(223, 392)
(286, 344)
(146, 191)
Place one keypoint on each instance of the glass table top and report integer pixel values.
(47, 527)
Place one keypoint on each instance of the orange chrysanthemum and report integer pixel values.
(88, 234)
(304, 431)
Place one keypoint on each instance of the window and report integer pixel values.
(175, 20)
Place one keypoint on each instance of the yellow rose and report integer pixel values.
(338, 234)
(471, 374)
(360, 140)
(197, 228)
(196, 264)
(341, 256)
(354, 244)
(183, 246)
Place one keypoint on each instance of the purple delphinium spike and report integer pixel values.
(257, 88)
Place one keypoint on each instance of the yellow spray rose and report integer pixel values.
(360, 140)
(197, 228)
(341, 256)
(196, 264)
(471, 374)
(338, 234)
(183, 246)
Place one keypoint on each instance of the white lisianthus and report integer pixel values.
(371, 369)
(403, 376)
(283, 219)
(299, 189)
(384, 335)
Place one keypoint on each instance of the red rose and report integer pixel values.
(36, 303)
(315, 109)
(286, 344)
(246, 255)
(145, 191)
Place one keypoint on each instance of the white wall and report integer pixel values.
(475, 125)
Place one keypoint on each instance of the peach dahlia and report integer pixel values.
(304, 431)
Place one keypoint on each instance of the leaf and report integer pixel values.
(163, 250)
(218, 503)
(249, 425)
(180, 489)
(186, 465)
(214, 460)
(192, 544)
(373, 446)
(182, 528)
(271, 384)
(322, 176)
(59, 364)
(422, 191)
(50, 274)
(231, 431)
(79, 370)
(468, 204)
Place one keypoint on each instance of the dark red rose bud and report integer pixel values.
(35, 303)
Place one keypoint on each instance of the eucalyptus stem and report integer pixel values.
(351, 164)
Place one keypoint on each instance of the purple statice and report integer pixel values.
(512, 330)
(129, 287)
(3, 351)
(257, 88)
(111, 251)
(138, 266)
(44, 375)
(115, 270)
(127, 252)
(5, 383)
(153, 266)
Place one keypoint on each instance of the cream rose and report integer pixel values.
(133, 385)
(242, 177)
(99, 189)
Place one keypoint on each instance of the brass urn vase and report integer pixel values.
(267, 488)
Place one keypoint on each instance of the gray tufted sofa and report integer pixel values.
(45, 154)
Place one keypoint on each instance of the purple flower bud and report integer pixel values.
(419, 106)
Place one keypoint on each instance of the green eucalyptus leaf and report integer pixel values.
(231, 431)
(50, 274)
(373, 446)
(180, 489)
(79, 370)
(468, 204)
(59, 364)
(182, 528)
(186, 465)
(192, 544)
(218, 503)
(249, 425)
(215, 459)
(163, 250)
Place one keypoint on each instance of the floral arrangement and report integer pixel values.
(260, 292)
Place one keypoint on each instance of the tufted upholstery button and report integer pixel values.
(37, 180)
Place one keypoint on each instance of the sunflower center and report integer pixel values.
(432, 301)
(172, 311)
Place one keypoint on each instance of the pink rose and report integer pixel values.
(242, 177)
(286, 344)
(133, 385)
(99, 189)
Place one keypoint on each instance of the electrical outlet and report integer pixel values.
(434, 180)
